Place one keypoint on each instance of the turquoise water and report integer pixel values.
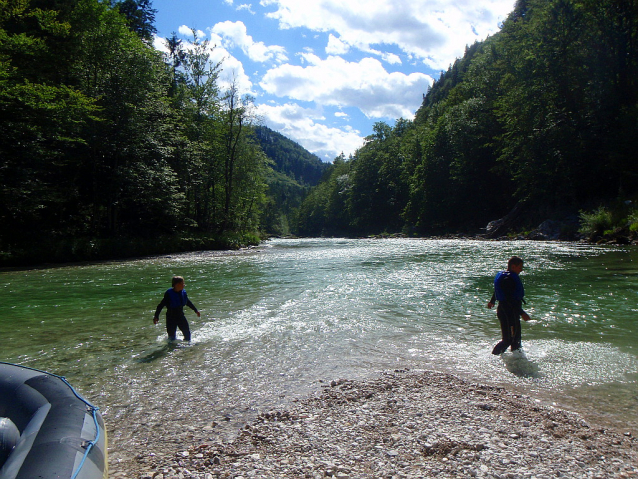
(279, 319)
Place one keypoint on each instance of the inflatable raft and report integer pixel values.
(47, 430)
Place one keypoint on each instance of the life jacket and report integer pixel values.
(519, 292)
(178, 300)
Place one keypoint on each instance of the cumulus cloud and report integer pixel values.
(159, 43)
(302, 125)
(391, 58)
(393, 35)
(235, 34)
(434, 31)
(334, 81)
(336, 46)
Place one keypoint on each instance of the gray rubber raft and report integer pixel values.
(47, 430)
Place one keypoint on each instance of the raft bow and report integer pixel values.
(47, 430)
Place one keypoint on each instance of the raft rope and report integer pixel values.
(94, 410)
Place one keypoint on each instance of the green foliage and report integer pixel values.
(140, 17)
(618, 222)
(293, 171)
(111, 149)
(596, 223)
(324, 211)
(542, 114)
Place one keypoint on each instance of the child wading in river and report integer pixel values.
(175, 299)
(509, 292)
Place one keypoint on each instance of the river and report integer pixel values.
(281, 320)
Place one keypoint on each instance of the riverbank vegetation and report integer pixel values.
(110, 148)
(538, 122)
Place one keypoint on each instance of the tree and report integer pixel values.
(379, 192)
(127, 147)
(140, 17)
(40, 119)
(198, 103)
(241, 158)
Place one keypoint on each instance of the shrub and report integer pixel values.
(596, 223)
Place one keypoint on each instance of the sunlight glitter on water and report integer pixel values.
(278, 319)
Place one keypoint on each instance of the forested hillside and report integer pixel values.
(294, 171)
(542, 116)
(110, 148)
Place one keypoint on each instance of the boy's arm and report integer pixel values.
(192, 306)
(492, 301)
(165, 302)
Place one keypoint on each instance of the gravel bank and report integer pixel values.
(404, 424)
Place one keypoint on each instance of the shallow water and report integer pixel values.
(278, 319)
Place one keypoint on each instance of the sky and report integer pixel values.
(323, 72)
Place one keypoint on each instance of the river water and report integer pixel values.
(281, 320)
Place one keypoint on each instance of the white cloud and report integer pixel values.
(159, 43)
(435, 31)
(392, 58)
(186, 31)
(336, 46)
(247, 7)
(232, 70)
(389, 33)
(365, 85)
(302, 125)
(234, 34)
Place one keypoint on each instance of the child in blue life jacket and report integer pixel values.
(175, 299)
(509, 292)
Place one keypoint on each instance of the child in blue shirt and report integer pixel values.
(509, 292)
(175, 299)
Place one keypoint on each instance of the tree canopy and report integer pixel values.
(106, 141)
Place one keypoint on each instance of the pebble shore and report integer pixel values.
(401, 424)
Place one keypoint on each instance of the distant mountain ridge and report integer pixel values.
(290, 158)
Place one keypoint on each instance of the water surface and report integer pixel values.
(279, 319)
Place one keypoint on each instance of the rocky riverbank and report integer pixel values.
(403, 424)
